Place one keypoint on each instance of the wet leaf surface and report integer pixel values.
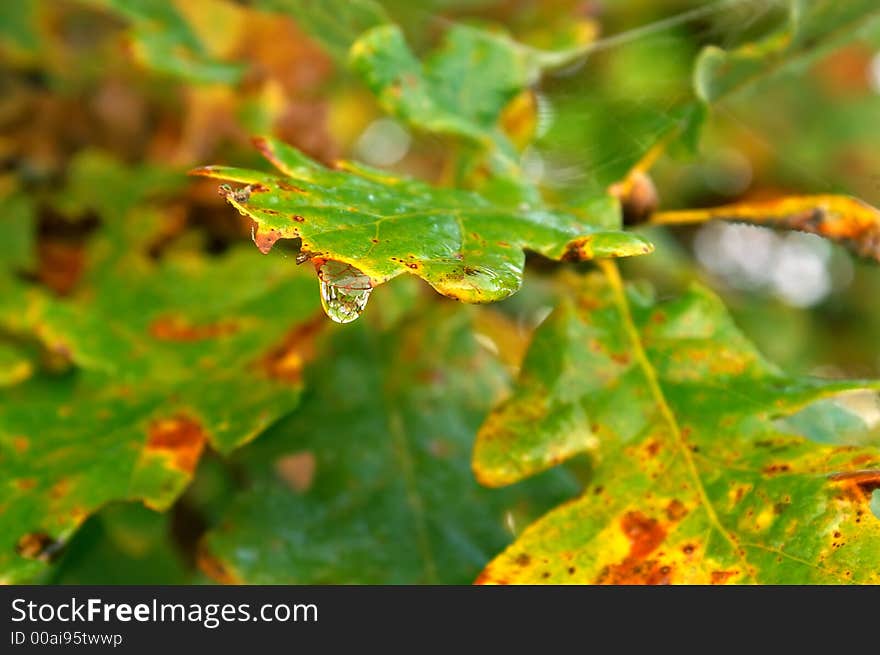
(694, 483)
(369, 481)
(462, 244)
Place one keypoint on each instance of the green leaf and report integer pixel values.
(122, 544)
(19, 34)
(18, 226)
(369, 481)
(695, 483)
(335, 24)
(813, 27)
(195, 351)
(461, 89)
(165, 41)
(462, 244)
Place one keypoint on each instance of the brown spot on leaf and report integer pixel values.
(523, 559)
(286, 361)
(578, 250)
(297, 470)
(645, 536)
(39, 546)
(866, 480)
(20, 444)
(265, 239)
(60, 489)
(25, 484)
(776, 468)
(178, 328)
(215, 568)
(721, 577)
(675, 510)
(180, 439)
(61, 265)
(286, 186)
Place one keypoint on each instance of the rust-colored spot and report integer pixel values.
(180, 438)
(25, 484)
(286, 361)
(523, 559)
(21, 444)
(621, 358)
(297, 470)
(299, 219)
(773, 469)
(270, 212)
(578, 250)
(287, 186)
(256, 187)
(374, 240)
(645, 536)
(413, 265)
(486, 578)
(265, 239)
(720, 577)
(688, 549)
(61, 264)
(178, 328)
(866, 480)
(675, 510)
(652, 448)
(39, 546)
(59, 489)
(215, 568)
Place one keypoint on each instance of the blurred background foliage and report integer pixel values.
(155, 88)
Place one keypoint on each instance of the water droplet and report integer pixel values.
(344, 290)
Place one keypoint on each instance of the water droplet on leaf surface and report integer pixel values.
(344, 290)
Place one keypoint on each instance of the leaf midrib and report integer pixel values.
(612, 273)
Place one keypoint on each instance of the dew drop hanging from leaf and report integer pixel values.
(344, 290)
